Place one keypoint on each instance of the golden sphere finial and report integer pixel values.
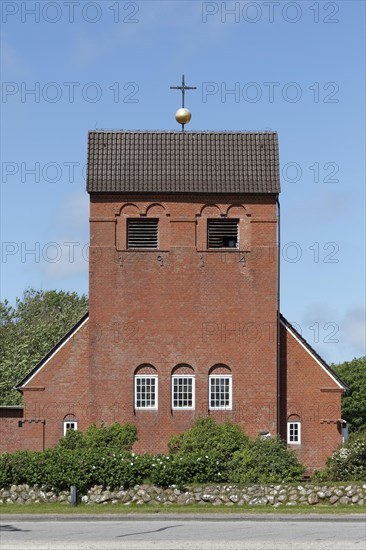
(183, 115)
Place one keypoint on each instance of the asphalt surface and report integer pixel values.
(184, 533)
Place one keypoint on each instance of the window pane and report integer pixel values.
(294, 432)
(220, 392)
(182, 392)
(145, 392)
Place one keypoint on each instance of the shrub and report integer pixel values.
(184, 469)
(348, 463)
(208, 436)
(74, 439)
(207, 453)
(60, 468)
(118, 437)
(265, 461)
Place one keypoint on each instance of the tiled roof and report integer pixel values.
(182, 162)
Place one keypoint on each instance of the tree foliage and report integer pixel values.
(30, 329)
(353, 373)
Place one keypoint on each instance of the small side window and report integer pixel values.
(70, 424)
(293, 432)
(222, 233)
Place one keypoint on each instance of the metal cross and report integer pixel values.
(183, 88)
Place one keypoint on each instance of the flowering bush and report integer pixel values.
(184, 469)
(60, 468)
(348, 463)
(207, 453)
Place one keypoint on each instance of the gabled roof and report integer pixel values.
(182, 162)
(313, 353)
(52, 352)
(284, 322)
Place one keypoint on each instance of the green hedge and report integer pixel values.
(59, 468)
(207, 453)
(119, 437)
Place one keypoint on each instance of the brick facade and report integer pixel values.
(309, 394)
(10, 439)
(181, 305)
(182, 308)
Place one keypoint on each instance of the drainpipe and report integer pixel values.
(278, 316)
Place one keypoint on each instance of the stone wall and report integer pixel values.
(229, 495)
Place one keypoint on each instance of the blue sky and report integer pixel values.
(294, 67)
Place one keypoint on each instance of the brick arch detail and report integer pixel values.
(129, 209)
(219, 368)
(237, 210)
(70, 418)
(183, 368)
(210, 209)
(294, 418)
(145, 368)
(156, 209)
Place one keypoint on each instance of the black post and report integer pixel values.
(73, 495)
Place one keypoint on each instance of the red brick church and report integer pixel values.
(184, 314)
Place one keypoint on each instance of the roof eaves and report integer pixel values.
(52, 351)
(314, 353)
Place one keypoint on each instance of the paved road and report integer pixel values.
(183, 534)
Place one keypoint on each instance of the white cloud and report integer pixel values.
(13, 64)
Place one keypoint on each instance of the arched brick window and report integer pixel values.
(70, 423)
(146, 387)
(220, 388)
(183, 387)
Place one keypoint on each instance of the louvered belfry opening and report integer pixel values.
(142, 233)
(222, 233)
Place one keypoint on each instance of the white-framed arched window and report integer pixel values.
(183, 387)
(146, 387)
(70, 423)
(294, 430)
(220, 388)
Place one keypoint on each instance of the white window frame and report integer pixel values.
(193, 378)
(146, 376)
(66, 427)
(289, 424)
(223, 407)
